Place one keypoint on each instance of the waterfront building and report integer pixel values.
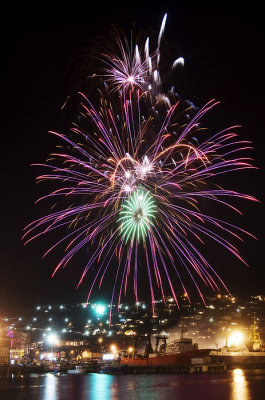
(4, 350)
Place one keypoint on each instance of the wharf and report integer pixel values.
(185, 369)
(7, 372)
(243, 361)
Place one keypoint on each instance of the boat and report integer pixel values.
(114, 368)
(78, 369)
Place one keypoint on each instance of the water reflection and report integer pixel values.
(101, 386)
(108, 387)
(50, 388)
(240, 389)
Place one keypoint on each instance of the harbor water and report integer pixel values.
(235, 385)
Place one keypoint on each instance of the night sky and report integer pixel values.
(224, 59)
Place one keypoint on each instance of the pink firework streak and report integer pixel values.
(134, 181)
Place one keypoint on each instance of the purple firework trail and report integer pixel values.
(134, 180)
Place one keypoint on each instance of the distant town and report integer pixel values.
(79, 333)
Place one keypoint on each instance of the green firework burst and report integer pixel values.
(137, 214)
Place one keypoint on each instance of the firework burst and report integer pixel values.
(136, 215)
(132, 179)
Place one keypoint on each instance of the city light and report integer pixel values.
(129, 333)
(99, 309)
(113, 348)
(108, 356)
(52, 338)
(236, 338)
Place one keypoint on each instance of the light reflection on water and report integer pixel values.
(237, 385)
(101, 387)
(240, 389)
(50, 388)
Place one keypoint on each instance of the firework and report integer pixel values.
(132, 179)
(136, 215)
(133, 68)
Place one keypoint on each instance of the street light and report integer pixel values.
(100, 309)
(131, 351)
(113, 348)
(52, 339)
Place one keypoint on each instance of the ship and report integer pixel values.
(184, 353)
(254, 342)
(177, 353)
(250, 354)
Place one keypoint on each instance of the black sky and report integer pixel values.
(224, 59)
